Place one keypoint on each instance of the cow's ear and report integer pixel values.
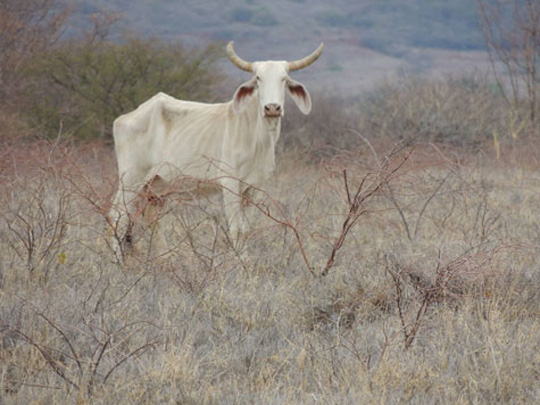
(300, 95)
(243, 95)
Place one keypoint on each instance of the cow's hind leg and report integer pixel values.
(121, 218)
(152, 210)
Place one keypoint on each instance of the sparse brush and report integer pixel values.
(453, 111)
(37, 221)
(430, 293)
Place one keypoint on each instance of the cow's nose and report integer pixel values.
(272, 110)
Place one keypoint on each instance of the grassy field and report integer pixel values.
(430, 293)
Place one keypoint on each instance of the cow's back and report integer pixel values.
(171, 137)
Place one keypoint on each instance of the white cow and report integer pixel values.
(230, 144)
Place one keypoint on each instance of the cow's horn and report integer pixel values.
(308, 60)
(237, 60)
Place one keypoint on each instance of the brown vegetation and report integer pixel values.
(430, 290)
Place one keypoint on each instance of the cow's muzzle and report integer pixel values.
(272, 110)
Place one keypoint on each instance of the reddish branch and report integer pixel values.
(357, 203)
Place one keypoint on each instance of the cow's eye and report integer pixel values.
(258, 78)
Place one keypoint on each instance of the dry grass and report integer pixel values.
(432, 296)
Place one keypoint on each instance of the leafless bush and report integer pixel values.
(432, 283)
(36, 226)
(446, 285)
(82, 345)
(323, 133)
(453, 111)
(512, 36)
(363, 181)
(370, 185)
(25, 27)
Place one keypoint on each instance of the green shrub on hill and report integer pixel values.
(82, 86)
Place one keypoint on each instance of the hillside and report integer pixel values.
(366, 41)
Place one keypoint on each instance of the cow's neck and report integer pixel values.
(269, 130)
(260, 138)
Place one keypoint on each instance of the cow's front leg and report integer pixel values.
(234, 209)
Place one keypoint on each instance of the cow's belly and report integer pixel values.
(201, 168)
(197, 179)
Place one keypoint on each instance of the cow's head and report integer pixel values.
(271, 80)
